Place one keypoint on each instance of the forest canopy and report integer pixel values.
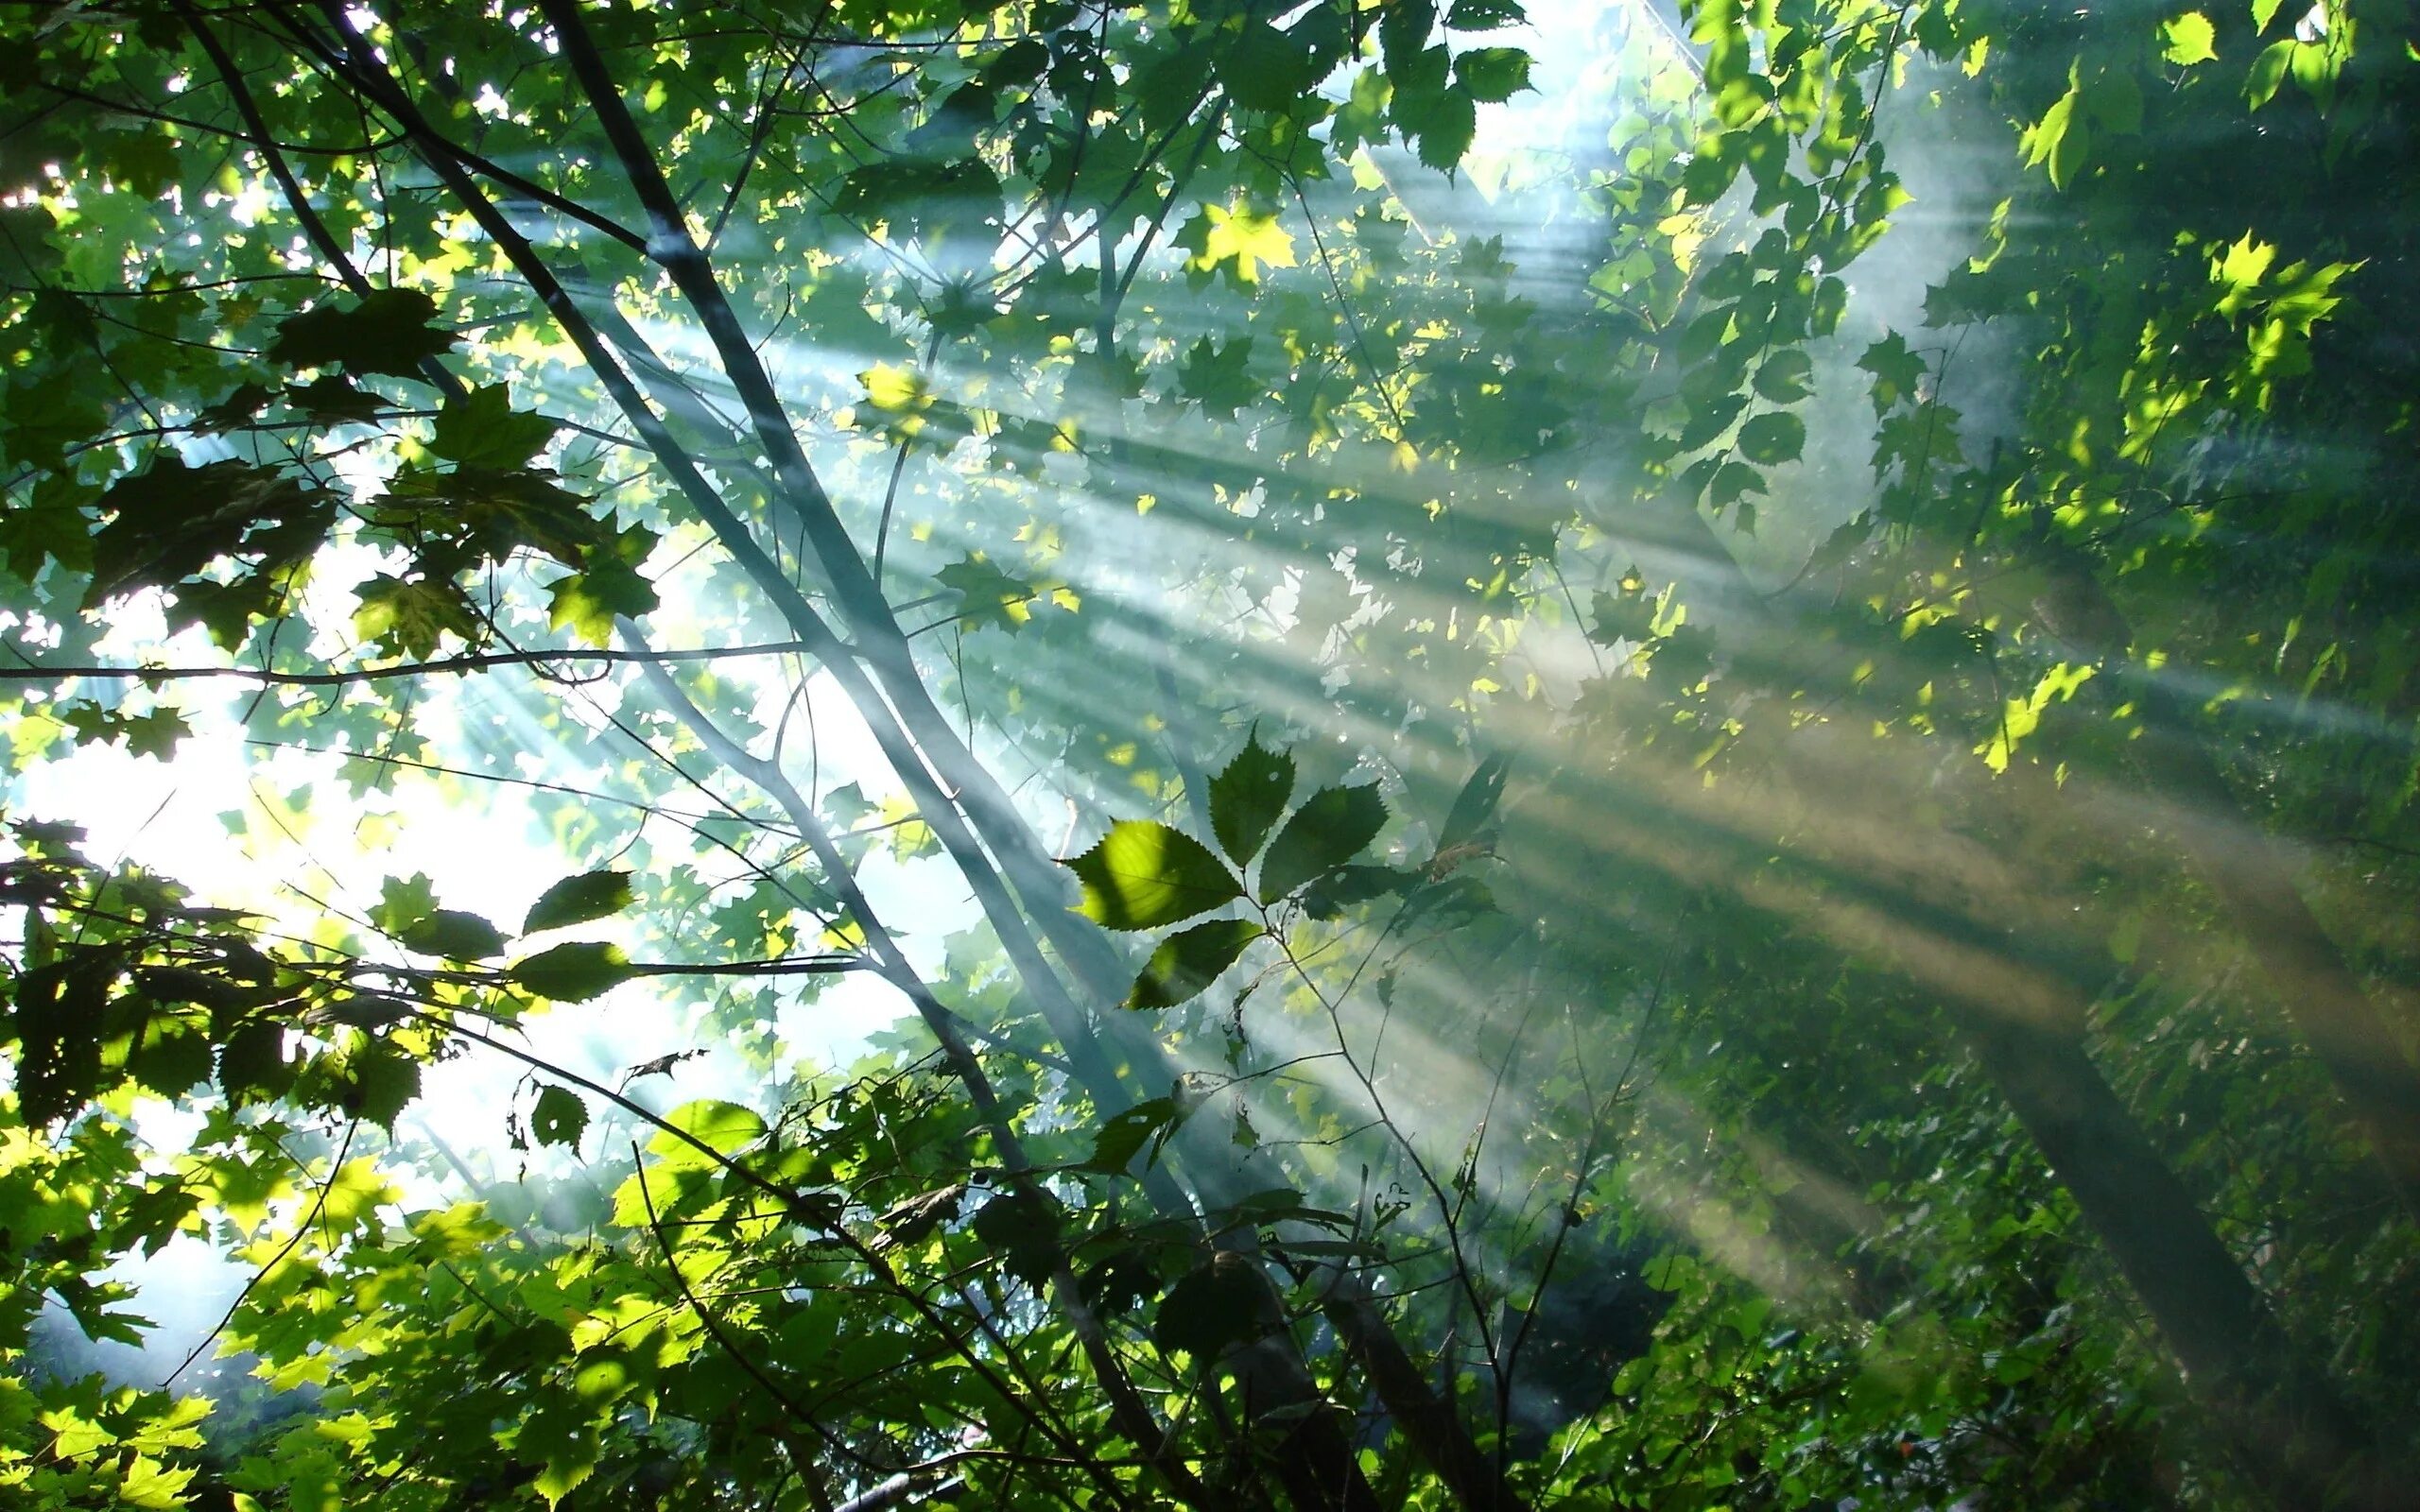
(1341, 756)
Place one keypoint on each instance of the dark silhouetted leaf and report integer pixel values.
(1120, 1139)
(454, 935)
(1225, 1302)
(575, 973)
(1330, 828)
(1476, 803)
(578, 900)
(560, 1118)
(389, 331)
(482, 429)
(1190, 960)
(1247, 798)
(1022, 1227)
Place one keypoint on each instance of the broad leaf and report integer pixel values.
(575, 973)
(560, 1118)
(1190, 960)
(578, 900)
(1143, 875)
(1248, 796)
(1476, 803)
(1332, 827)
(454, 935)
(389, 331)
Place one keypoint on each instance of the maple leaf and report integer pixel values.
(1242, 238)
(986, 594)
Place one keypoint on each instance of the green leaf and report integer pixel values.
(1476, 803)
(587, 603)
(1492, 74)
(403, 902)
(724, 1127)
(389, 331)
(1333, 893)
(1484, 15)
(574, 972)
(1218, 379)
(560, 1118)
(452, 933)
(1123, 1137)
(1248, 796)
(1022, 1227)
(1773, 438)
(1190, 961)
(411, 619)
(2268, 72)
(1144, 874)
(1786, 376)
(1224, 1303)
(1332, 827)
(382, 1083)
(578, 900)
(987, 595)
(1444, 126)
(1264, 69)
(482, 429)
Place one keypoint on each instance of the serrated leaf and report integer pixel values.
(1248, 796)
(560, 1118)
(482, 429)
(1484, 15)
(1143, 875)
(1492, 75)
(1773, 438)
(1446, 126)
(574, 972)
(1123, 1137)
(1216, 1305)
(724, 1127)
(389, 331)
(1786, 376)
(1022, 1227)
(1190, 961)
(452, 933)
(987, 595)
(1330, 828)
(578, 900)
(1476, 803)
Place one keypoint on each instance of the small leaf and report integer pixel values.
(1476, 803)
(1144, 874)
(560, 1118)
(1226, 1301)
(1786, 377)
(578, 900)
(389, 331)
(575, 973)
(1771, 438)
(1331, 827)
(1446, 127)
(1492, 74)
(482, 429)
(1190, 961)
(1332, 894)
(1022, 1227)
(1248, 796)
(454, 935)
(1123, 1137)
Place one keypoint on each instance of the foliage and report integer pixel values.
(1905, 997)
